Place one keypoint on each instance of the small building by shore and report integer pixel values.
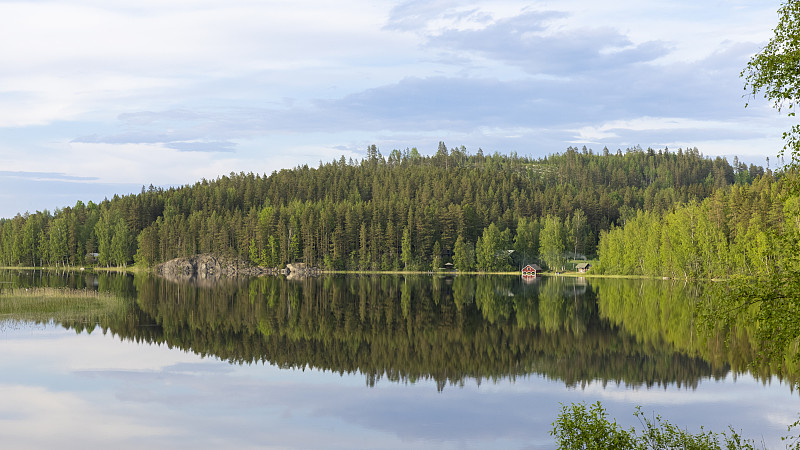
(531, 270)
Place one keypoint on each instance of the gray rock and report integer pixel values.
(209, 267)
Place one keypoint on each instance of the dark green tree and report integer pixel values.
(436, 258)
(464, 255)
(405, 253)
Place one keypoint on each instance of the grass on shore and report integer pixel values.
(43, 304)
(133, 268)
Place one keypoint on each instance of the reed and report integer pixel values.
(44, 304)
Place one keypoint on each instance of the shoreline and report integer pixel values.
(133, 269)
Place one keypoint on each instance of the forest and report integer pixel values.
(651, 212)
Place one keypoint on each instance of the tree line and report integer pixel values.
(746, 230)
(404, 211)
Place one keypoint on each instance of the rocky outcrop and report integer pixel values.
(208, 267)
(300, 270)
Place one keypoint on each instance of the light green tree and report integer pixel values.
(274, 252)
(121, 243)
(59, 252)
(253, 253)
(551, 247)
(490, 252)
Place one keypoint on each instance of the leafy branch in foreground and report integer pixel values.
(580, 428)
(775, 71)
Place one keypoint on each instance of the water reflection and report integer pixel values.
(410, 328)
(448, 329)
(610, 337)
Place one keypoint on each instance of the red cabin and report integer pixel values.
(531, 270)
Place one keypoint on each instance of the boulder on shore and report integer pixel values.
(208, 267)
(300, 270)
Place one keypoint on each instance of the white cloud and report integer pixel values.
(746, 138)
(612, 128)
(63, 60)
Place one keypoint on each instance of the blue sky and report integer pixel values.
(98, 98)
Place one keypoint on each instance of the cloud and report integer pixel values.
(151, 117)
(526, 41)
(43, 176)
(659, 127)
(700, 94)
(194, 146)
(79, 59)
(193, 142)
(424, 14)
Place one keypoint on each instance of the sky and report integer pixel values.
(100, 98)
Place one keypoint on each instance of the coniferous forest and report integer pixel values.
(659, 212)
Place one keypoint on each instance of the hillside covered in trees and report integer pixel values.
(401, 211)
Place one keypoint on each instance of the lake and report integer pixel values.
(378, 361)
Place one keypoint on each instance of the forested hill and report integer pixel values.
(404, 211)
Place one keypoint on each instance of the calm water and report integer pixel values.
(370, 362)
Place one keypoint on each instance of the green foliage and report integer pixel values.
(579, 428)
(775, 71)
(464, 255)
(59, 249)
(121, 244)
(552, 240)
(406, 253)
(437, 256)
(526, 241)
(736, 231)
(747, 235)
(793, 440)
(491, 250)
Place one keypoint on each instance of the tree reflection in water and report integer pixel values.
(449, 329)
